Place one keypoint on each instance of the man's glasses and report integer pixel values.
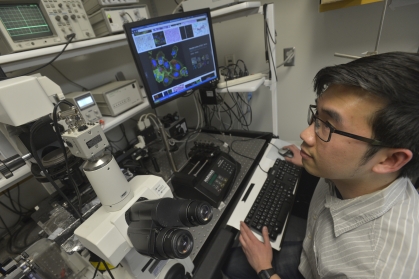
(324, 130)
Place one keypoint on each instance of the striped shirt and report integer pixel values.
(371, 236)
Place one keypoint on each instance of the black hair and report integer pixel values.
(394, 77)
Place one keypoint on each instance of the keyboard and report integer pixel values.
(274, 201)
(272, 170)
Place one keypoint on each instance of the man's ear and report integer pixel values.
(393, 160)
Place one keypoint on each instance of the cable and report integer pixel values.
(289, 57)
(16, 211)
(61, 142)
(155, 120)
(97, 268)
(269, 32)
(122, 127)
(273, 62)
(186, 143)
(33, 130)
(5, 226)
(249, 110)
(220, 140)
(232, 149)
(198, 112)
(70, 37)
(241, 112)
(12, 243)
(177, 7)
(125, 13)
(81, 86)
(219, 118)
(11, 210)
(113, 142)
(107, 269)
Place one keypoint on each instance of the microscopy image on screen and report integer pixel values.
(174, 54)
(159, 38)
(167, 68)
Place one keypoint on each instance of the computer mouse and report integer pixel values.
(284, 152)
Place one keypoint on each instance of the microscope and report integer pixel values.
(137, 229)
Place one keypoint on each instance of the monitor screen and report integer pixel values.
(174, 54)
(24, 21)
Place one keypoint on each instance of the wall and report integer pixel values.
(316, 37)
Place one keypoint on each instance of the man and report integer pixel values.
(363, 140)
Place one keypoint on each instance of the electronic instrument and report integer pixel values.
(86, 104)
(110, 20)
(92, 6)
(116, 97)
(208, 175)
(31, 24)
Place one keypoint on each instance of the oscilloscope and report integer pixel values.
(31, 24)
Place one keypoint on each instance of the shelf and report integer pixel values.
(250, 86)
(37, 57)
(110, 122)
(18, 175)
(235, 11)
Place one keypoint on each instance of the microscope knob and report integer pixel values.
(5, 171)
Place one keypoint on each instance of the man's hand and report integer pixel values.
(259, 254)
(296, 159)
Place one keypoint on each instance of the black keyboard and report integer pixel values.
(274, 201)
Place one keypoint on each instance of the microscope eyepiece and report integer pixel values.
(154, 226)
(173, 243)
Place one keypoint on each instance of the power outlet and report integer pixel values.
(230, 59)
(287, 53)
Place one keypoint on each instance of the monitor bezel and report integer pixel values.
(129, 26)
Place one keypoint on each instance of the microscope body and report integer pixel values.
(105, 234)
(24, 100)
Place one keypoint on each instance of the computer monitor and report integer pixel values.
(174, 54)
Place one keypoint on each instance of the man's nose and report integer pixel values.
(308, 135)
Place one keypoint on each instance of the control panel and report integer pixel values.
(208, 175)
(92, 6)
(31, 24)
(86, 104)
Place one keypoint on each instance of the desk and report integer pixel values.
(213, 240)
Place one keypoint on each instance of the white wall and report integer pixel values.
(316, 37)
